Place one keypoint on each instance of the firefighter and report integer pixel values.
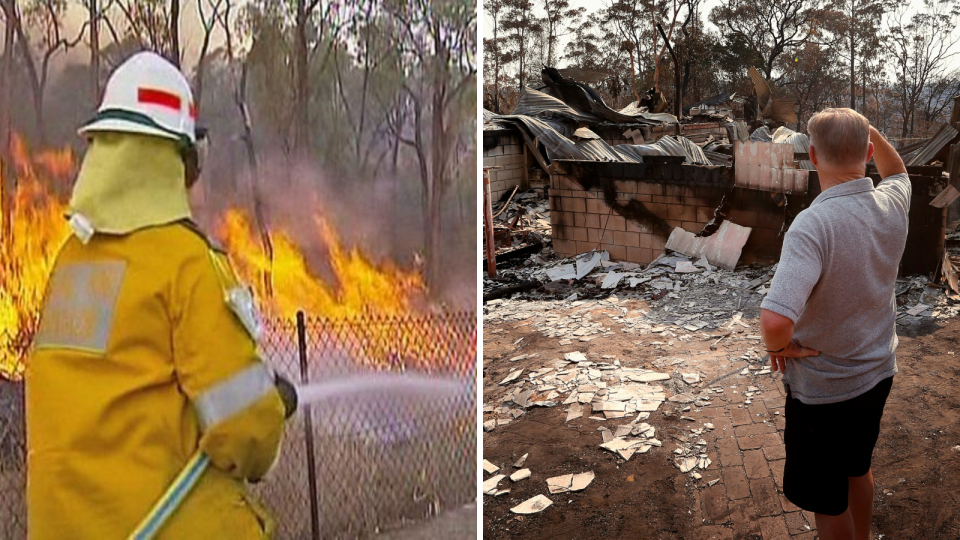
(146, 351)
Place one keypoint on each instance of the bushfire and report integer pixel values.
(365, 296)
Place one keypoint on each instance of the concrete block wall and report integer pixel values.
(583, 219)
(510, 156)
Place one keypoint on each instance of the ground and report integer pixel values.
(459, 524)
(917, 492)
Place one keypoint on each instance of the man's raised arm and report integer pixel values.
(885, 155)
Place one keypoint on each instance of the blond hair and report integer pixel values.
(841, 136)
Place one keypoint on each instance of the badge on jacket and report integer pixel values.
(240, 300)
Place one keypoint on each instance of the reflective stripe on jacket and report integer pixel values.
(138, 362)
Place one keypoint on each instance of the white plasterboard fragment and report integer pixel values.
(574, 412)
(682, 398)
(690, 378)
(575, 356)
(918, 309)
(559, 484)
(520, 475)
(512, 376)
(722, 248)
(586, 262)
(648, 377)
(610, 406)
(566, 271)
(581, 481)
(489, 425)
(489, 468)
(686, 267)
(490, 485)
(611, 281)
(532, 505)
(685, 464)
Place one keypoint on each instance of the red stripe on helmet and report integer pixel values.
(193, 111)
(159, 97)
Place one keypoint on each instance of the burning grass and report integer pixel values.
(383, 307)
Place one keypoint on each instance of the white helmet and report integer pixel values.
(147, 95)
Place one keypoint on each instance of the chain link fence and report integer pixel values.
(390, 436)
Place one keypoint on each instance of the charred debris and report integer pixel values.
(587, 201)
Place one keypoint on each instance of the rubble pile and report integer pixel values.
(681, 292)
(521, 224)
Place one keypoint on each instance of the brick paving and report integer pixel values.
(746, 442)
(748, 502)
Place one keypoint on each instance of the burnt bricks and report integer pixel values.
(596, 206)
(628, 239)
(574, 204)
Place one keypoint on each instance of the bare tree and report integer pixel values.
(520, 23)
(559, 13)
(440, 46)
(209, 12)
(496, 54)
(919, 45)
(153, 25)
(770, 27)
(47, 16)
(624, 18)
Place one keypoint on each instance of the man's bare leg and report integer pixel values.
(861, 504)
(835, 527)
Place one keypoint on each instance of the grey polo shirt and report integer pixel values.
(836, 280)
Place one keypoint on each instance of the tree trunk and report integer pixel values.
(93, 11)
(175, 32)
(7, 180)
(240, 98)
(301, 128)
(36, 85)
(522, 53)
(853, 90)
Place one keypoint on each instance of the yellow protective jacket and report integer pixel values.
(139, 362)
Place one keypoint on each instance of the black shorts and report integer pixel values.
(827, 444)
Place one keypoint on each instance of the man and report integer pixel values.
(146, 351)
(828, 321)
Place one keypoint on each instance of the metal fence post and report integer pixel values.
(308, 427)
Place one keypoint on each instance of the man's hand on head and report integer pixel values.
(778, 361)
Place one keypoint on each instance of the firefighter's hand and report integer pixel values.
(288, 394)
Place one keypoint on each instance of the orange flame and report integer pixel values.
(31, 233)
(34, 230)
(286, 284)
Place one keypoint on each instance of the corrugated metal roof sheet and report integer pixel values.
(560, 147)
(768, 167)
(761, 134)
(715, 100)
(585, 133)
(717, 158)
(933, 146)
(535, 103)
(737, 131)
(800, 142)
(583, 75)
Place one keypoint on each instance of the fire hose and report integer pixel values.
(193, 471)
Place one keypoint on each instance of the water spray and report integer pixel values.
(295, 397)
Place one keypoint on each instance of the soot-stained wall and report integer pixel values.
(629, 209)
